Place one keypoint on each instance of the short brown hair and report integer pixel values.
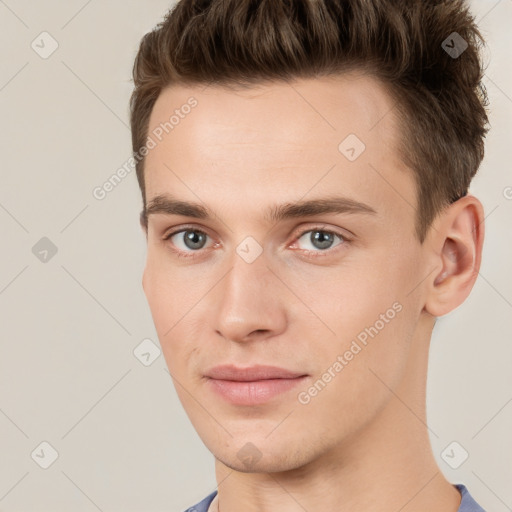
(440, 98)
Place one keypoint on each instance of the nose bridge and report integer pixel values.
(248, 298)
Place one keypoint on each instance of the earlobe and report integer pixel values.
(458, 255)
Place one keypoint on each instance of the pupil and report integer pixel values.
(194, 240)
(321, 239)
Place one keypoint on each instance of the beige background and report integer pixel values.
(69, 326)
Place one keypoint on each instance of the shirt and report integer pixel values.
(468, 504)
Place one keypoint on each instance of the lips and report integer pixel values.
(253, 385)
(258, 372)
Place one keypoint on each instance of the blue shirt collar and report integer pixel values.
(467, 504)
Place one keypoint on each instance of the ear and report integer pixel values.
(144, 223)
(144, 227)
(456, 239)
(143, 281)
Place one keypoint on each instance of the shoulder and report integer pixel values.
(203, 505)
(467, 504)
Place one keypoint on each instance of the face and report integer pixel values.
(300, 254)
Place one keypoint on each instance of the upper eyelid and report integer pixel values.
(318, 227)
(321, 227)
(175, 231)
(344, 234)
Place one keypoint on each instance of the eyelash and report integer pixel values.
(314, 254)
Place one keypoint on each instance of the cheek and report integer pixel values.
(370, 312)
(355, 372)
(161, 298)
(174, 298)
(167, 304)
(169, 289)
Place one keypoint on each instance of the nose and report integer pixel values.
(249, 302)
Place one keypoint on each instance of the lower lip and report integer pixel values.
(253, 392)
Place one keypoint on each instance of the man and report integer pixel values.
(304, 169)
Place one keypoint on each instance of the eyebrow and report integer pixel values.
(168, 205)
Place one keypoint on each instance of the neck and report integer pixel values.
(387, 465)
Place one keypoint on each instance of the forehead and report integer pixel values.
(277, 141)
(317, 110)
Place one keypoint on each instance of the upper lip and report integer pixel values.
(252, 373)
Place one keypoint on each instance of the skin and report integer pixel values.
(362, 442)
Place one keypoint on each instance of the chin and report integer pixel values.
(267, 464)
(262, 455)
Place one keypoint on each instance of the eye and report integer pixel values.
(319, 240)
(187, 240)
